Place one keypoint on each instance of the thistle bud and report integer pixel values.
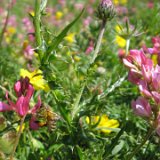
(105, 10)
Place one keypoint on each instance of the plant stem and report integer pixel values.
(37, 25)
(127, 46)
(5, 24)
(143, 142)
(18, 137)
(98, 44)
(5, 90)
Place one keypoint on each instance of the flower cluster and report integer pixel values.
(146, 75)
(24, 92)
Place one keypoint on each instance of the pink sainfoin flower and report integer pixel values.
(24, 92)
(146, 75)
(28, 52)
(90, 48)
(141, 107)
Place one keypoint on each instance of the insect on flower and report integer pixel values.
(45, 117)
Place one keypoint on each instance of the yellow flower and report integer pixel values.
(58, 15)
(119, 2)
(11, 30)
(104, 123)
(18, 127)
(70, 37)
(32, 13)
(154, 59)
(36, 79)
(120, 41)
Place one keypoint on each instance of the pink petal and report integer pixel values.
(5, 107)
(22, 106)
(37, 106)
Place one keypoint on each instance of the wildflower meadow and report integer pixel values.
(79, 79)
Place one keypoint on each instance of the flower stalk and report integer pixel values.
(18, 137)
(6, 23)
(98, 44)
(143, 142)
(127, 46)
(37, 26)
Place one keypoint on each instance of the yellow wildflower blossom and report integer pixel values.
(70, 37)
(11, 30)
(58, 15)
(18, 127)
(36, 79)
(119, 2)
(104, 123)
(154, 59)
(32, 13)
(120, 41)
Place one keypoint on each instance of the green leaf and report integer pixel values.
(43, 5)
(76, 106)
(117, 148)
(56, 41)
(37, 144)
(7, 142)
(80, 153)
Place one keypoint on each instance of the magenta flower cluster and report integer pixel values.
(146, 75)
(24, 92)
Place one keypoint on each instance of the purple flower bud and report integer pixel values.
(105, 10)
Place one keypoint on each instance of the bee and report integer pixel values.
(46, 117)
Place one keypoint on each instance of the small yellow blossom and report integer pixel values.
(11, 30)
(18, 127)
(119, 2)
(120, 41)
(77, 58)
(154, 59)
(117, 28)
(58, 15)
(104, 123)
(36, 79)
(70, 37)
(32, 13)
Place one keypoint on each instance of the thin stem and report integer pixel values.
(18, 137)
(37, 25)
(143, 142)
(127, 46)
(5, 24)
(98, 44)
(5, 90)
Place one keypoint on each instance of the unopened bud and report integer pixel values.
(106, 10)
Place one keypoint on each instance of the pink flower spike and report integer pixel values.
(5, 107)
(141, 107)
